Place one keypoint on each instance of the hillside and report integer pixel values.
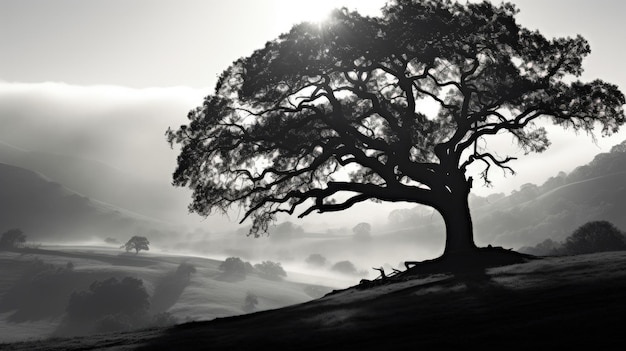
(595, 191)
(553, 302)
(48, 211)
(37, 285)
(97, 180)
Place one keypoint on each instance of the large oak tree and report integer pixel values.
(346, 96)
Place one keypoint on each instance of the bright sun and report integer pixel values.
(313, 11)
(290, 12)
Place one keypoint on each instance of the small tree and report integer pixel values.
(136, 243)
(270, 270)
(249, 304)
(185, 269)
(316, 260)
(345, 267)
(233, 268)
(596, 236)
(12, 238)
(362, 231)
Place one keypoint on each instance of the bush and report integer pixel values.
(596, 236)
(185, 270)
(316, 260)
(109, 297)
(345, 267)
(270, 270)
(234, 268)
(12, 238)
(249, 304)
(362, 231)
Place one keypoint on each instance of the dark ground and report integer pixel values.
(556, 302)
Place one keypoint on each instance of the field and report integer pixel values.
(36, 285)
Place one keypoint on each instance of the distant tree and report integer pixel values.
(136, 243)
(270, 270)
(233, 268)
(12, 238)
(596, 236)
(185, 269)
(249, 304)
(347, 96)
(362, 231)
(345, 267)
(316, 260)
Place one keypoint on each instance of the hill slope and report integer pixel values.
(47, 211)
(595, 191)
(552, 302)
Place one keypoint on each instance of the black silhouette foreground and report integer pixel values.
(550, 303)
(285, 125)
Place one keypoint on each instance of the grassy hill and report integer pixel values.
(554, 302)
(36, 286)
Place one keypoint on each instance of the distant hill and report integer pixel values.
(595, 191)
(47, 211)
(100, 181)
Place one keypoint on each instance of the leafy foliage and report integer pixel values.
(349, 92)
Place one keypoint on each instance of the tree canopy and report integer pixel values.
(332, 114)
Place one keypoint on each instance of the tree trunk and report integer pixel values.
(458, 221)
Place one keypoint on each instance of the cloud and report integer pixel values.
(120, 126)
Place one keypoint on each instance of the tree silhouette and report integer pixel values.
(136, 243)
(595, 236)
(348, 96)
(12, 238)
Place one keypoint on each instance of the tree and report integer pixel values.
(233, 268)
(346, 267)
(316, 260)
(12, 238)
(362, 231)
(136, 243)
(270, 270)
(595, 236)
(350, 93)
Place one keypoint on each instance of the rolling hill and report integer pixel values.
(48, 211)
(595, 191)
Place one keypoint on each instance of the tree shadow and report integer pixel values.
(42, 291)
(169, 289)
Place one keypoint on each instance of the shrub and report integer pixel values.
(12, 238)
(109, 297)
(249, 304)
(234, 268)
(362, 231)
(345, 267)
(316, 260)
(270, 270)
(596, 236)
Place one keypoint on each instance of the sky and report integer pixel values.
(104, 79)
